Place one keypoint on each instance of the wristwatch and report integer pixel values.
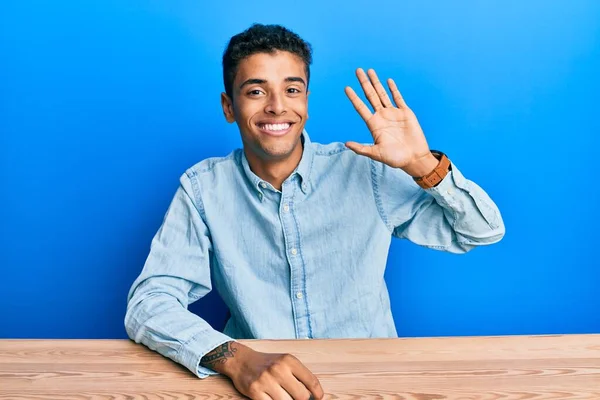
(438, 174)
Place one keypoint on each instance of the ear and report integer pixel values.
(227, 105)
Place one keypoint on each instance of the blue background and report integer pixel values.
(103, 104)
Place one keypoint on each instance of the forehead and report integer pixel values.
(272, 67)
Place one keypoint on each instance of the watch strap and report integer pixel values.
(438, 174)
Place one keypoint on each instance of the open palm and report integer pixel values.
(397, 136)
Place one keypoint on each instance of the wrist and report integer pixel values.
(438, 174)
(226, 359)
(422, 166)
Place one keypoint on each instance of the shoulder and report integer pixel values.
(210, 170)
(329, 149)
(214, 165)
(336, 152)
(335, 155)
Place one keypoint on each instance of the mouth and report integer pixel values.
(278, 129)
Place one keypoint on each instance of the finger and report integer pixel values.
(295, 388)
(369, 89)
(278, 393)
(262, 396)
(398, 99)
(381, 92)
(358, 104)
(361, 149)
(308, 379)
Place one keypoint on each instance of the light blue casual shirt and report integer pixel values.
(304, 262)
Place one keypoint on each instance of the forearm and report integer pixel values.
(161, 323)
(473, 218)
(225, 358)
(454, 216)
(157, 319)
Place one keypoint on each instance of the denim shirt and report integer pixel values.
(306, 261)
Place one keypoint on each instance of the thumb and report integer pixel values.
(361, 149)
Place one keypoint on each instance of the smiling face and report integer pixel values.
(270, 105)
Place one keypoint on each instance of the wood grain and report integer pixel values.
(456, 368)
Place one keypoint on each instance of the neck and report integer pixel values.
(275, 171)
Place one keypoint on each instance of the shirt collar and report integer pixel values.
(303, 169)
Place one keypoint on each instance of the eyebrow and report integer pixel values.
(253, 81)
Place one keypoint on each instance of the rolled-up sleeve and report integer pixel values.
(455, 216)
(175, 274)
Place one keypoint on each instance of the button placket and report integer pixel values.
(292, 247)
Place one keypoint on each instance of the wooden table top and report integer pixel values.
(466, 368)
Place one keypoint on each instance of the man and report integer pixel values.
(296, 234)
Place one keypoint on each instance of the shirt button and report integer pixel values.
(263, 185)
(299, 295)
(286, 208)
(449, 191)
(294, 252)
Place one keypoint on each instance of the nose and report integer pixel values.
(275, 104)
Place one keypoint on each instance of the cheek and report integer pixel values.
(301, 108)
(249, 107)
(243, 113)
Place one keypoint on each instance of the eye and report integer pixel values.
(255, 92)
(293, 90)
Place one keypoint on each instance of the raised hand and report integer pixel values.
(398, 138)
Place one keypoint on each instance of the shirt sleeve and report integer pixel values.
(175, 274)
(455, 216)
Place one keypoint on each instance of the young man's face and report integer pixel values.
(269, 104)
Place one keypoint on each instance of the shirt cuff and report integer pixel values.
(445, 191)
(456, 193)
(192, 352)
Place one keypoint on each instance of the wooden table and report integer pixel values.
(466, 368)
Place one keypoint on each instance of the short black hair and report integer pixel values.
(261, 38)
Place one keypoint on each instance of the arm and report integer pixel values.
(455, 215)
(176, 273)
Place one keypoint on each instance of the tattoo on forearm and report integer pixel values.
(218, 356)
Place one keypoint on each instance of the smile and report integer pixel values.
(275, 129)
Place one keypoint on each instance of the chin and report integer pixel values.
(278, 147)
(278, 151)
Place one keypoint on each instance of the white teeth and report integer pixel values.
(275, 127)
